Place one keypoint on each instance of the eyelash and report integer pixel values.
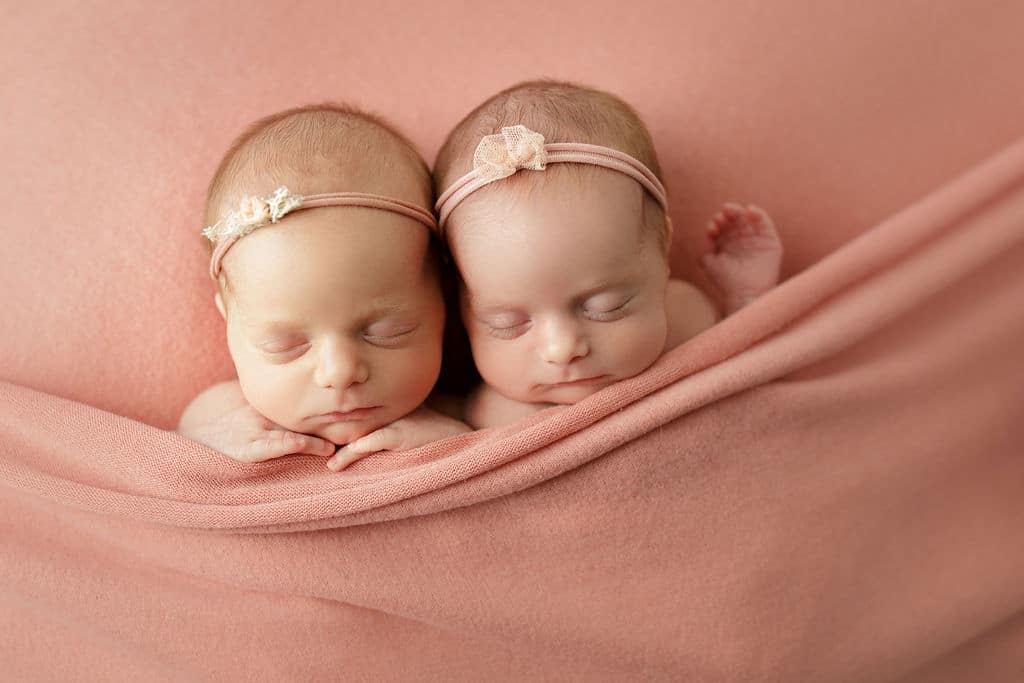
(610, 315)
(279, 354)
(507, 332)
(514, 331)
(388, 341)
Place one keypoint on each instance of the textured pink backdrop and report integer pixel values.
(830, 115)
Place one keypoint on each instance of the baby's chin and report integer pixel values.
(341, 433)
(566, 395)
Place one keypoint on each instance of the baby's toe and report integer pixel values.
(756, 213)
(731, 210)
(761, 221)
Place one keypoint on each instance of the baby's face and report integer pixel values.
(333, 323)
(563, 293)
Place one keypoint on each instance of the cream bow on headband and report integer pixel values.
(514, 148)
(254, 212)
(258, 212)
(518, 148)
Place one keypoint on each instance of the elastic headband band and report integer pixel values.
(517, 147)
(257, 212)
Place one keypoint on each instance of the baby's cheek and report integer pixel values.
(278, 403)
(644, 342)
(481, 345)
(493, 357)
(512, 369)
(274, 391)
(412, 374)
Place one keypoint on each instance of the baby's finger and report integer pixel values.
(277, 444)
(310, 445)
(343, 458)
(384, 439)
(265, 448)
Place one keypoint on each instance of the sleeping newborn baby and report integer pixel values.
(321, 241)
(554, 213)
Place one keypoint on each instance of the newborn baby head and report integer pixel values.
(332, 301)
(563, 270)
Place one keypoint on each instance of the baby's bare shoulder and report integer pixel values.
(212, 402)
(689, 311)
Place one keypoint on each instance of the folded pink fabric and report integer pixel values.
(828, 485)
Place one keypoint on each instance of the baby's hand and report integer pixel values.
(415, 429)
(247, 436)
(746, 254)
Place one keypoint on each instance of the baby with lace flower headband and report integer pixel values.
(321, 246)
(552, 207)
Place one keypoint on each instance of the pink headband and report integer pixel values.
(517, 147)
(257, 212)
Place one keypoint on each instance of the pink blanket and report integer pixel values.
(826, 486)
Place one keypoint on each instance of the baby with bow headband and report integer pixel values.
(552, 207)
(322, 249)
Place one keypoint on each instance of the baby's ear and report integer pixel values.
(219, 300)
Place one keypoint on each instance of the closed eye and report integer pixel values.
(509, 332)
(283, 352)
(607, 313)
(388, 333)
(504, 324)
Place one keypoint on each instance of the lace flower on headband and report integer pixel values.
(517, 147)
(254, 212)
(514, 148)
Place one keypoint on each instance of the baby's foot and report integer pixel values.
(745, 255)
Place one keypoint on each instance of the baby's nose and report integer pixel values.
(340, 365)
(562, 341)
